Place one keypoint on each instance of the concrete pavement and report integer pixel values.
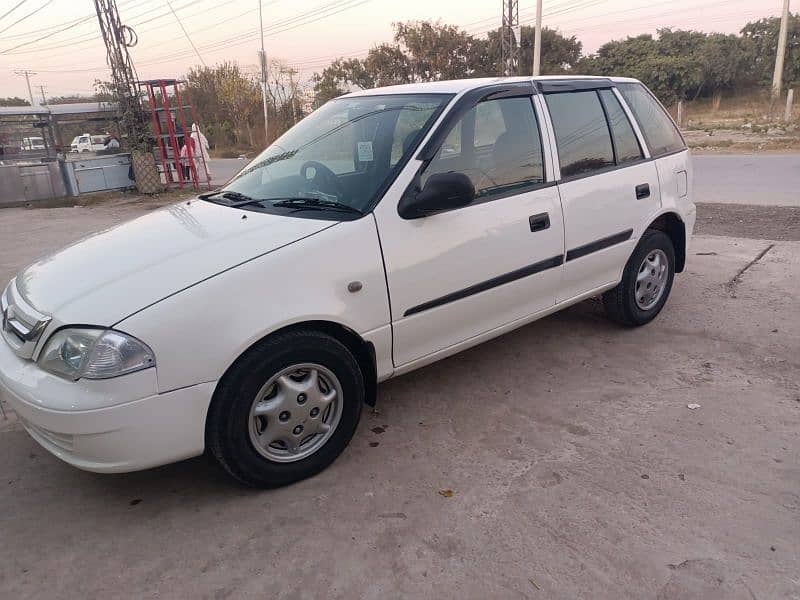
(576, 468)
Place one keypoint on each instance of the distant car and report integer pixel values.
(385, 231)
(88, 143)
(32, 143)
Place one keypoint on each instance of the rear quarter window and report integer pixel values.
(660, 133)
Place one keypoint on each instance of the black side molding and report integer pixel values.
(536, 267)
(600, 244)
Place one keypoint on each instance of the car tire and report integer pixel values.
(646, 281)
(247, 411)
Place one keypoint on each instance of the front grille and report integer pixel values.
(21, 324)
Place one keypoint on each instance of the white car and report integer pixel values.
(389, 229)
(88, 143)
(33, 143)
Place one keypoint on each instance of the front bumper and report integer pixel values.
(128, 435)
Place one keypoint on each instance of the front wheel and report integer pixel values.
(646, 281)
(286, 409)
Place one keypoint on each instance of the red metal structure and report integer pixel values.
(171, 133)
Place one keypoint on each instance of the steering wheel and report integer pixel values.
(324, 179)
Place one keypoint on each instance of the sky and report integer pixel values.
(59, 40)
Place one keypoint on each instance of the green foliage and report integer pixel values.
(14, 101)
(429, 51)
(676, 64)
(762, 37)
(228, 101)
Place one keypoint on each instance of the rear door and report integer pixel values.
(458, 274)
(609, 190)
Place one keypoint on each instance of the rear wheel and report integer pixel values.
(286, 409)
(646, 281)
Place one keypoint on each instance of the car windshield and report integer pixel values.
(345, 152)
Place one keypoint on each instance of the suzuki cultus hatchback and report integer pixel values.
(389, 229)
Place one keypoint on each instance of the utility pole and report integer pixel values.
(537, 40)
(42, 89)
(262, 59)
(117, 38)
(27, 75)
(777, 75)
(509, 38)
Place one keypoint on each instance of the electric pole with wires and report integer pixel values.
(509, 38)
(27, 75)
(262, 59)
(118, 38)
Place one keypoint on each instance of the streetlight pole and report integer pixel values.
(537, 40)
(777, 75)
(262, 58)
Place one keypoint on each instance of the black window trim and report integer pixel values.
(471, 99)
(615, 167)
(554, 86)
(630, 124)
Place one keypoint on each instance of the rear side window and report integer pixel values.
(626, 146)
(659, 131)
(582, 137)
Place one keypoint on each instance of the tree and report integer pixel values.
(725, 62)
(422, 51)
(667, 65)
(560, 54)
(14, 101)
(227, 99)
(762, 35)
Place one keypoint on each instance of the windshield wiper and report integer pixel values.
(316, 204)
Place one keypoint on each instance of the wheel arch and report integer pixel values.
(671, 224)
(363, 351)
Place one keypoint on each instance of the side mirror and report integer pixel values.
(442, 191)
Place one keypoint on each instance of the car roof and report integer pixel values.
(456, 86)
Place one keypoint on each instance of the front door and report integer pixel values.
(457, 274)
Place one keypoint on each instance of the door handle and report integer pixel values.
(642, 191)
(539, 222)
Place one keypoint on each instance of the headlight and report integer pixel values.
(94, 354)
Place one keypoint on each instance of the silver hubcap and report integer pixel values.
(650, 279)
(295, 412)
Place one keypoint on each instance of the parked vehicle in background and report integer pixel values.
(32, 143)
(88, 143)
(387, 230)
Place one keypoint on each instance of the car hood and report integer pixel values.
(108, 276)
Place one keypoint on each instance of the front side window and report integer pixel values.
(660, 133)
(497, 145)
(344, 153)
(582, 136)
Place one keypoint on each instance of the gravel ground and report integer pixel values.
(576, 468)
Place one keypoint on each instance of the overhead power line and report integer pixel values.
(15, 7)
(82, 39)
(316, 14)
(186, 33)
(30, 14)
